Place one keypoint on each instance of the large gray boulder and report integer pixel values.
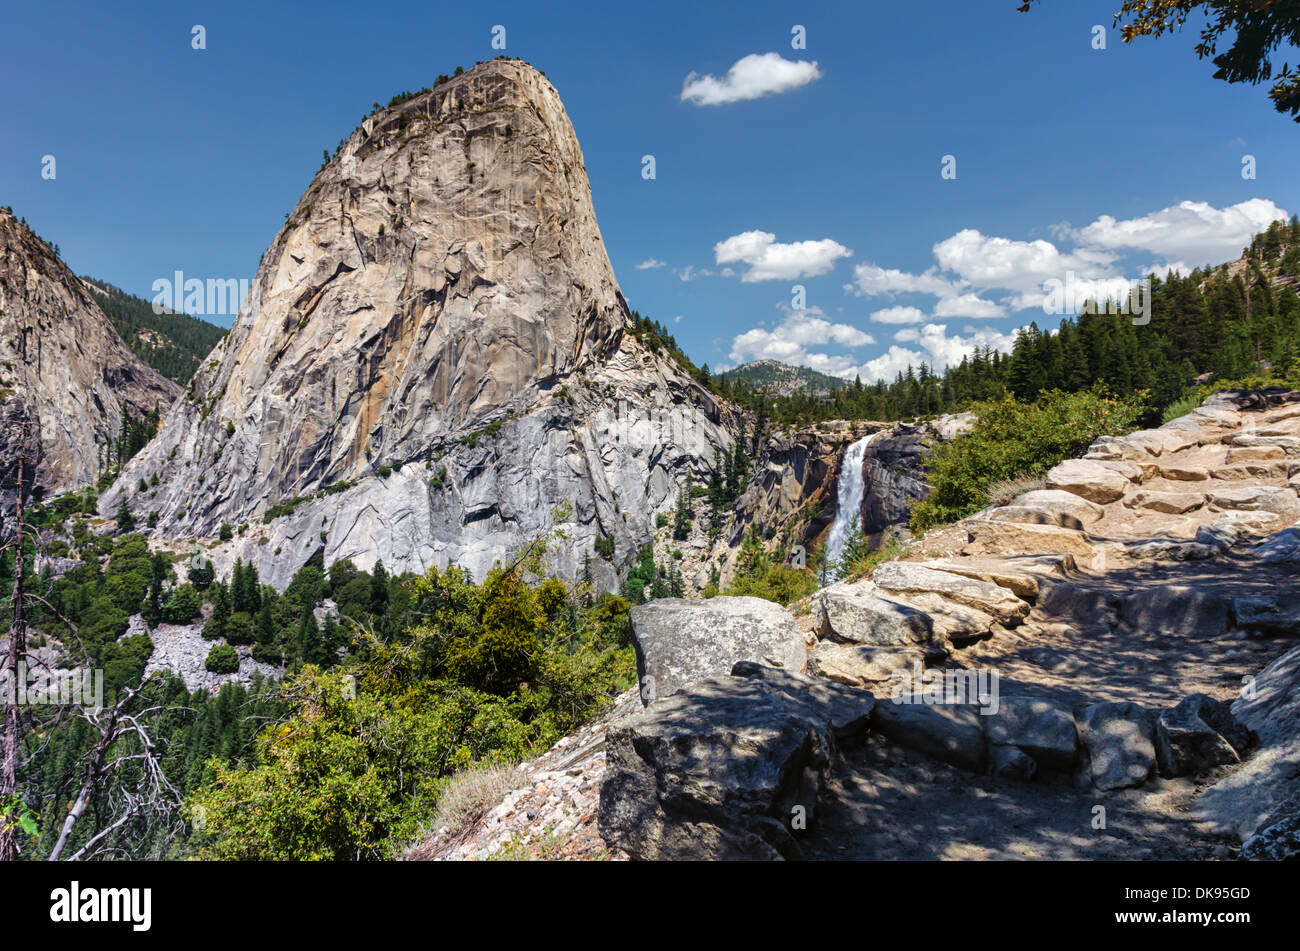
(1077, 603)
(860, 665)
(903, 578)
(678, 642)
(1278, 838)
(1177, 610)
(985, 537)
(857, 614)
(951, 732)
(1095, 480)
(1275, 499)
(1049, 507)
(1042, 729)
(1243, 802)
(1199, 734)
(1120, 739)
(730, 768)
(1277, 614)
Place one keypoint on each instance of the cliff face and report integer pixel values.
(894, 471)
(64, 371)
(437, 338)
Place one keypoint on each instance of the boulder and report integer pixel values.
(1023, 584)
(1175, 551)
(1278, 838)
(1077, 604)
(678, 642)
(1120, 739)
(1049, 507)
(1176, 611)
(1170, 503)
(1287, 443)
(1280, 548)
(1231, 527)
(1278, 500)
(721, 769)
(1199, 734)
(959, 624)
(1255, 454)
(1277, 614)
(856, 613)
(902, 577)
(1043, 729)
(951, 732)
(1252, 470)
(1095, 480)
(1012, 538)
(1244, 801)
(1010, 762)
(1184, 472)
(860, 665)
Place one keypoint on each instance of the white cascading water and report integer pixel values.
(848, 500)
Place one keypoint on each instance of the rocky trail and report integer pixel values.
(1104, 668)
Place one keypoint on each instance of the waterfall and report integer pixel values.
(848, 500)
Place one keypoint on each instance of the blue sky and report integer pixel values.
(1068, 159)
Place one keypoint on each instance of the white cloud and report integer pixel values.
(899, 315)
(752, 77)
(971, 265)
(649, 263)
(872, 281)
(968, 305)
(1190, 230)
(790, 340)
(937, 350)
(769, 260)
(988, 262)
(691, 272)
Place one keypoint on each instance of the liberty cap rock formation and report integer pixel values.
(65, 374)
(434, 354)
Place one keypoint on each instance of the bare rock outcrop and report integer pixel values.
(433, 356)
(66, 378)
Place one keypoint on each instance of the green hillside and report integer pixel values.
(173, 344)
(781, 379)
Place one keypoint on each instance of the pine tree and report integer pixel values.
(682, 514)
(125, 520)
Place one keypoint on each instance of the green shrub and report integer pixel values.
(1012, 439)
(227, 532)
(240, 628)
(222, 659)
(183, 606)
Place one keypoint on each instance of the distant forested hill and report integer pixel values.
(173, 344)
(781, 379)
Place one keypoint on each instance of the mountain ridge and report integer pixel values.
(433, 355)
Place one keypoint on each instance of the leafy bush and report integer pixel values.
(222, 659)
(1014, 439)
(227, 532)
(239, 628)
(183, 606)
(758, 577)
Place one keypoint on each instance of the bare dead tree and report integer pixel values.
(123, 738)
(154, 798)
(15, 666)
